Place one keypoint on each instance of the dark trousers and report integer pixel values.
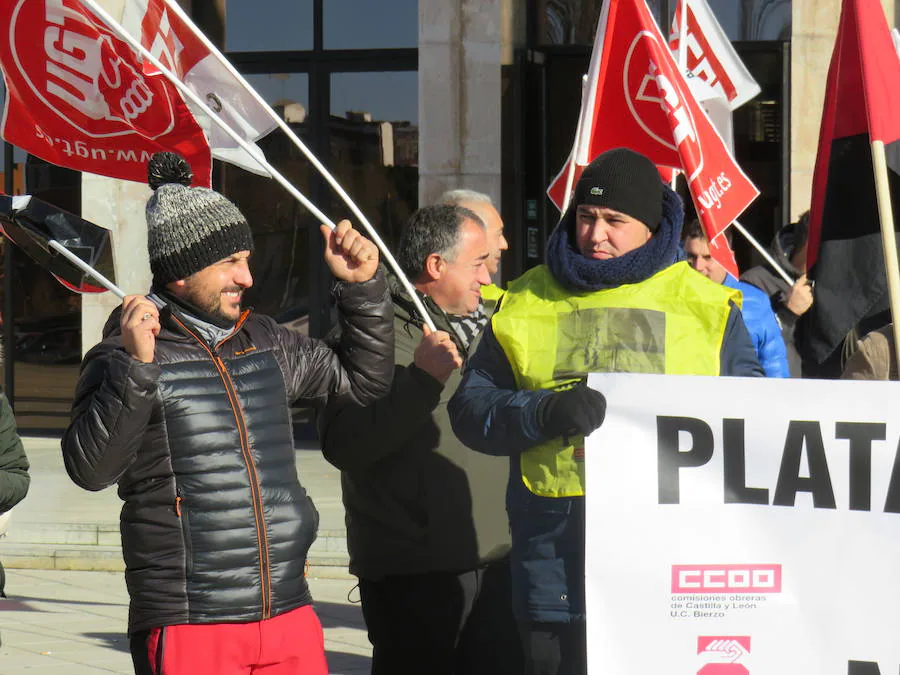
(443, 623)
(554, 648)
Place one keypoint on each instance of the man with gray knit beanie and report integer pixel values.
(186, 405)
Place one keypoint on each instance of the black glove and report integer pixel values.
(579, 410)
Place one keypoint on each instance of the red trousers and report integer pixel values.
(288, 644)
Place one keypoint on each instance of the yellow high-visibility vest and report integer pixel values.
(674, 322)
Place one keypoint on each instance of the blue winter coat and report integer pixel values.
(763, 328)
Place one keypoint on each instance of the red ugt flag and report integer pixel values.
(77, 95)
(636, 97)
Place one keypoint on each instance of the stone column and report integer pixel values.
(813, 33)
(118, 206)
(459, 96)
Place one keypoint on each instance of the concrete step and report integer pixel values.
(69, 534)
(79, 557)
(97, 547)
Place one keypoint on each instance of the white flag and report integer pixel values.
(166, 32)
(710, 56)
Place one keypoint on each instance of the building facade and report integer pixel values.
(403, 99)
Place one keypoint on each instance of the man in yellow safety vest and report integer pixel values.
(611, 298)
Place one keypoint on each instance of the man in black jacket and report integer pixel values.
(186, 404)
(426, 523)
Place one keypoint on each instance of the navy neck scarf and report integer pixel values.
(578, 273)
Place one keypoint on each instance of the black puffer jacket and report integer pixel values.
(215, 525)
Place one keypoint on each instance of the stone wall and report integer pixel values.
(459, 96)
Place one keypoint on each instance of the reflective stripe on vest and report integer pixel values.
(672, 323)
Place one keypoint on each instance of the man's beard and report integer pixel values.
(211, 302)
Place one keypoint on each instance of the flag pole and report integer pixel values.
(312, 208)
(888, 237)
(573, 160)
(84, 267)
(9, 334)
(682, 36)
(764, 253)
(682, 62)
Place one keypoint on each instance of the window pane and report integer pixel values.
(280, 224)
(46, 317)
(275, 25)
(567, 22)
(385, 96)
(754, 19)
(374, 137)
(364, 24)
(281, 88)
(575, 21)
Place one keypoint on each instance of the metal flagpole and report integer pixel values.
(573, 163)
(763, 252)
(9, 337)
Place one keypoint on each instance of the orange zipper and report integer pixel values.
(262, 542)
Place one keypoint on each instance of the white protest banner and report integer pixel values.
(743, 526)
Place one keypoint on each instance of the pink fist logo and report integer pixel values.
(723, 655)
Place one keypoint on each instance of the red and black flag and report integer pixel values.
(41, 229)
(862, 106)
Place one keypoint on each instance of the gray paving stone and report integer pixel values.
(73, 622)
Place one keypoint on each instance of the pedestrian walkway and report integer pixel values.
(67, 609)
(73, 623)
(61, 526)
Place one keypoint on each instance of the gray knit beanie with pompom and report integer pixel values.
(188, 228)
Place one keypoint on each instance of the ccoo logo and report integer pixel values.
(765, 578)
(73, 64)
(723, 655)
(655, 100)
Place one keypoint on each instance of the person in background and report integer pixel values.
(755, 308)
(789, 301)
(483, 206)
(875, 357)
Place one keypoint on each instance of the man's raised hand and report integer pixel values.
(140, 326)
(350, 256)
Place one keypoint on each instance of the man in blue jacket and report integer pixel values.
(756, 309)
(611, 298)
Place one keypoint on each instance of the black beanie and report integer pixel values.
(188, 228)
(623, 180)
